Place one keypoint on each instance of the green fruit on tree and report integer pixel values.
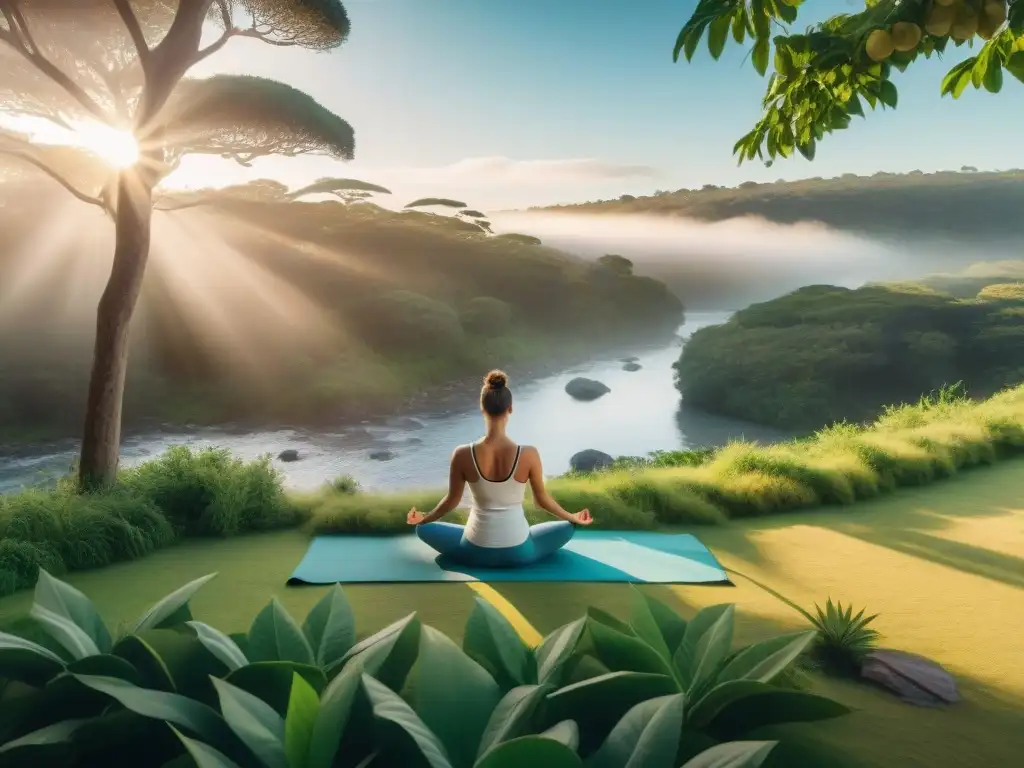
(966, 24)
(879, 46)
(995, 11)
(905, 35)
(940, 20)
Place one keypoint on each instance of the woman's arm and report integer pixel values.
(543, 499)
(456, 487)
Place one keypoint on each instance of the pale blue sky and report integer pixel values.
(433, 86)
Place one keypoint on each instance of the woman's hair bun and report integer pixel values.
(496, 379)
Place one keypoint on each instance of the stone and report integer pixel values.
(589, 460)
(586, 389)
(382, 455)
(289, 454)
(632, 367)
(913, 678)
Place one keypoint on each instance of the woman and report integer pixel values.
(497, 470)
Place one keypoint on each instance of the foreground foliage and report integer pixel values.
(653, 691)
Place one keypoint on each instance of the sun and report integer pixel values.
(116, 147)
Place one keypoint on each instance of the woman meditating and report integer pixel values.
(497, 471)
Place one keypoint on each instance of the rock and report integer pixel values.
(289, 454)
(913, 678)
(589, 460)
(632, 367)
(586, 389)
(382, 455)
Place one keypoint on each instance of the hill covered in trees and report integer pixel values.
(296, 312)
(965, 205)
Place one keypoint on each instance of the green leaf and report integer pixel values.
(887, 93)
(204, 755)
(274, 636)
(332, 717)
(763, 661)
(647, 736)
(106, 665)
(807, 149)
(760, 55)
(603, 617)
(303, 707)
(389, 707)
(389, 654)
(57, 733)
(619, 651)
(718, 33)
(656, 624)
(565, 732)
(271, 681)
(330, 627)
(555, 649)
(27, 662)
(65, 601)
(1015, 65)
(535, 751)
(767, 706)
(707, 642)
(255, 722)
(151, 666)
(222, 647)
(511, 716)
(993, 80)
(160, 705)
(456, 713)
(733, 754)
(75, 640)
(494, 643)
(168, 612)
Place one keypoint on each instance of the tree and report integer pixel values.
(823, 77)
(120, 66)
(473, 218)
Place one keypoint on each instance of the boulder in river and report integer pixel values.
(589, 460)
(382, 455)
(632, 367)
(586, 389)
(289, 454)
(913, 678)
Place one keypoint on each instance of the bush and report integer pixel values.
(486, 316)
(1002, 292)
(407, 320)
(598, 688)
(906, 446)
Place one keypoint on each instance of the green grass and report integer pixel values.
(944, 566)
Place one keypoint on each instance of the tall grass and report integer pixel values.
(908, 445)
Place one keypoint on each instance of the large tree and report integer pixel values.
(121, 66)
(825, 75)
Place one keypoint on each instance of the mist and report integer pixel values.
(729, 264)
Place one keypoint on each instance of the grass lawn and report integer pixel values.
(943, 565)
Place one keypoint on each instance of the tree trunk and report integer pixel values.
(101, 440)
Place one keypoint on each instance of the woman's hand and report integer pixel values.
(415, 517)
(583, 517)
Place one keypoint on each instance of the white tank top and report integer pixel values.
(496, 518)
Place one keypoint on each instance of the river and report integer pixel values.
(642, 413)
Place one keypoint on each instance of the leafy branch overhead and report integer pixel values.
(825, 75)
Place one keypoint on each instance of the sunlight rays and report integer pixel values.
(116, 147)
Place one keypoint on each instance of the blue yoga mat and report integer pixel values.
(640, 557)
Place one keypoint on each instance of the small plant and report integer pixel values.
(844, 639)
(345, 484)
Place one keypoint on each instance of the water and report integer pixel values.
(642, 413)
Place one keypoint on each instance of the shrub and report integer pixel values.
(408, 320)
(486, 316)
(1002, 292)
(285, 694)
(843, 639)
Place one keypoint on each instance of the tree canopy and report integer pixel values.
(824, 76)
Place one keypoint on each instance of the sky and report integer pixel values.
(512, 103)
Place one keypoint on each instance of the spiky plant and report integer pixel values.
(844, 639)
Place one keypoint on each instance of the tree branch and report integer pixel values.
(34, 161)
(215, 46)
(131, 23)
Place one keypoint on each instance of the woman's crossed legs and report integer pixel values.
(449, 539)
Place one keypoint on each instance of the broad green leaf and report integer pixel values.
(733, 754)
(303, 706)
(64, 600)
(222, 647)
(27, 662)
(106, 665)
(647, 736)
(57, 733)
(274, 636)
(494, 643)
(255, 722)
(652, 628)
(767, 706)
(887, 93)
(555, 649)
(204, 755)
(330, 627)
(718, 33)
(453, 695)
(389, 654)
(565, 732)
(608, 620)
(760, 55)
(619, 651)
(332, 717)
(763, 661)
(75, 640)
(511, 716)
(152, 668)
(531, 752)
(165, 611)
(389, 707)
(271, 681)
(688, 656)
(1015, 65)
(993, 80)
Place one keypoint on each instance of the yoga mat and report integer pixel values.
(639, 557)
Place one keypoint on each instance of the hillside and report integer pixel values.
(295, 312)
(957, 204)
